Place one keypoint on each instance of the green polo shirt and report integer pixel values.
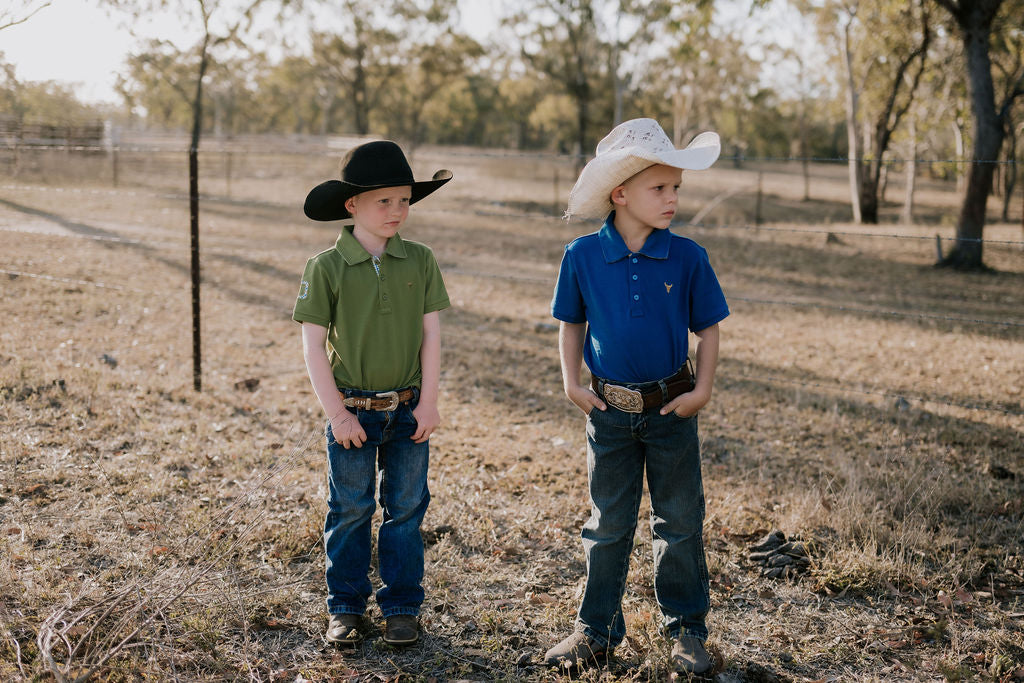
(374, 320)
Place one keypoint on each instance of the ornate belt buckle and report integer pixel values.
(626, 400)
(392, 396)
(357, 402)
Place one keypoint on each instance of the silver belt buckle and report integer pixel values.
(392, 396)
(357, 402)
(626, 400)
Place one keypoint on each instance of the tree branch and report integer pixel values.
(15, 22)
(1018, 91)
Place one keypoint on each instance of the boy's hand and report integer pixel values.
(427, 420)
(687, 405)
(584, 398)
(347, 430)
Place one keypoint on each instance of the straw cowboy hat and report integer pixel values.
(370, 166)
(631, 147)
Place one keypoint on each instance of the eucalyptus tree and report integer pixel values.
(599, 51)
(467, 111)
(560, 39)
(808, 92)
(10, 87)
(1008, 64)
(894, 82)
(978, 21)
(353, 66)
(881, 49)
(641, 31)
(157, 80)
(46, 102)
(518, 97)
(286, 101)
(14, 12)
(680, 61)
(434, 54)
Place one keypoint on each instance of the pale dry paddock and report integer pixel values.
(865, 403)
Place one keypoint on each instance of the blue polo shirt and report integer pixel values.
(640, 307)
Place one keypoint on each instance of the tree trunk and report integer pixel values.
(869, 183)
(360, 97)
(959, 172)
(988, 137)
(326, 105)
(582, 102)
(807, 177)
(613, 66)
(853, 147)
(1009, 172)
(680, 115)
(907, 213)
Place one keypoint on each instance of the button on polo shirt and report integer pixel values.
(373, 312)
(639, 307)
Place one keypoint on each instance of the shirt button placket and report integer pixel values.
(385, 303)
(635, 307)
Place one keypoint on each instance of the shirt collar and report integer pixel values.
(353, 252)
(614, 247)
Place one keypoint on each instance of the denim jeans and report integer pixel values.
(620, 446)
(352, 479)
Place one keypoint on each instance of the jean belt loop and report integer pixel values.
(664, 391)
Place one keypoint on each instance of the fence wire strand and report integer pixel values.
(225, 247)
(504, 154)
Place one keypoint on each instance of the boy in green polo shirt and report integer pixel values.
(371, 339)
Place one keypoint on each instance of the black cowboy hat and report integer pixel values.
(370, 166)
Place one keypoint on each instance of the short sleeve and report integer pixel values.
(315, 300)
(707, 300)
(436, 295)
(567, 303)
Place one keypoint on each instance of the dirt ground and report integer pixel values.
(866, 403)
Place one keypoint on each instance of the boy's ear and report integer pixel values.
(350, 204)
(618, 195)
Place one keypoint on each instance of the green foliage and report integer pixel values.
(45, 102)
(157, 84)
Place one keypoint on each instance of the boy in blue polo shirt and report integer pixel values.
(371, 338)
(627, 298)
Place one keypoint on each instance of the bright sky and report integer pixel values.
(71, 41)
(76, 42)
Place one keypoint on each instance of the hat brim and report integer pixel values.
(326, 201)
(590, 196)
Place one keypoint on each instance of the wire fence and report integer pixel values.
(145, 173)
(240, 169)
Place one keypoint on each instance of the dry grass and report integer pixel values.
(152, 532)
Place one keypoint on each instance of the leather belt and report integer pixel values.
(645, 396)
(387, 400)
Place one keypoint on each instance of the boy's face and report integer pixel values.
(380, 212)
(650, 196)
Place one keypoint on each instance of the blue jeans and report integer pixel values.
(620, 446)
(352, 479)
